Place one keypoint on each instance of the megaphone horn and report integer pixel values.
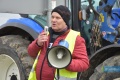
(59, 56)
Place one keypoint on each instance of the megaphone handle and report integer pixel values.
(58, 75)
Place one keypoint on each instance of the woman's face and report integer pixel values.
(57, 22)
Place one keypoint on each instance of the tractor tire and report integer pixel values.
(16, 57)
(100, 74)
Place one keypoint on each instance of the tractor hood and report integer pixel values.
(23, 6)
(37, 7)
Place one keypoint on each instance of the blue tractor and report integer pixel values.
(98, 22)
(16, 34)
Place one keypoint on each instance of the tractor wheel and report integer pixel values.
(100, 72)
(17, 62)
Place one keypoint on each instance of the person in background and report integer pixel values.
(59, 30)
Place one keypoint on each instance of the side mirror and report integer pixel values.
(82, 15)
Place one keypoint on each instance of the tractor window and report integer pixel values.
(84, 2)
(40, 19)
(117, 4)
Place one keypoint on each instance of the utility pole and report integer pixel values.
(51, 5)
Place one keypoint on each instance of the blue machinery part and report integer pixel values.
(111, 20)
